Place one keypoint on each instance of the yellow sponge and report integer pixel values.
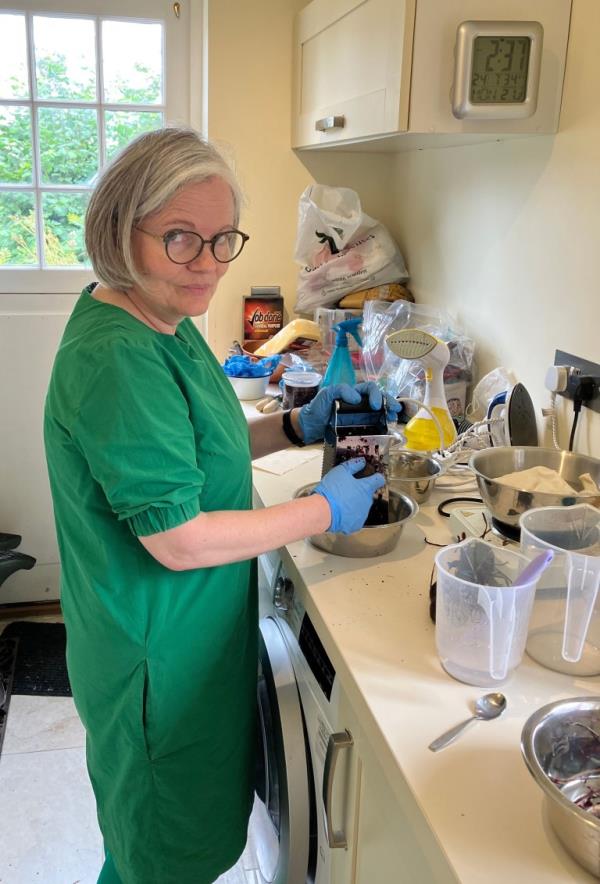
(297, 329)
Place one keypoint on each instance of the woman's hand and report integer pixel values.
(313, 417)
(349, 499)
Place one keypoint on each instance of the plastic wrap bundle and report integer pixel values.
(402, 377)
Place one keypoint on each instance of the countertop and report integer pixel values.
(372, 616)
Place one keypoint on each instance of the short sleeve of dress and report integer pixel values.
(134, 430)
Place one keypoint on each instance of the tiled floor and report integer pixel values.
(48, 828)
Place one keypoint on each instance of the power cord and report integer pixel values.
(551, 413)
(585, 390)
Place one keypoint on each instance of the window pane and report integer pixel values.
(17, 229)
(68, 145)
(15, 145)
(132, 62)
(13, 57)
(122, 126)
(64, 215)
(65, 58)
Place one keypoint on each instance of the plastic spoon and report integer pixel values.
(500, 606)
(487, 707)
(533, 571)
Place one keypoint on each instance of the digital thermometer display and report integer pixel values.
(500, 69)
(497, 66)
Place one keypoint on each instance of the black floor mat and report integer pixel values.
(41, 667)
(8, 658)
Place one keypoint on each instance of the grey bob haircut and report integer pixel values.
(142, 178)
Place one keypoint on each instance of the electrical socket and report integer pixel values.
(579, 368)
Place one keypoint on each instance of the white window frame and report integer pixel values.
(183, 102)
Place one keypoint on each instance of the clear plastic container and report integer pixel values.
(564, 632)
(481, 619)
(299, 387)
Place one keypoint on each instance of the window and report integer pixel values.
(74, 89)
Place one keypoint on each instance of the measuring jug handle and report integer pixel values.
(582, 591)
(500, 607)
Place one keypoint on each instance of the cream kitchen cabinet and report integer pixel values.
(390, 71)
(389, 839)
(352, 69)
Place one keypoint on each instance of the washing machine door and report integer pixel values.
(280, 823)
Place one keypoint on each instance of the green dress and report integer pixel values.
(143, 431)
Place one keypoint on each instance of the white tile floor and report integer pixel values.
(48, 828)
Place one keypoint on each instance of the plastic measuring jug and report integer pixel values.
(481, 618)
(564, 632)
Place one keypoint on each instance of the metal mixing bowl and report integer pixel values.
(372, 540)
(413, 474)
(505, 503)
(561, 747)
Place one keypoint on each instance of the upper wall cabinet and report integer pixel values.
(400, 71)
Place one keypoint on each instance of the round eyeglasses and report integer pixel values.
(184, 246)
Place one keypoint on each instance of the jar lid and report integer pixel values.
(302, 378)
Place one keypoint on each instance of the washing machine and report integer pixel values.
(292, 831)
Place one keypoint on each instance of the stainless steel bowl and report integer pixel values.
(413, 474)
(507, 504)
(373, 540)
(561, 747)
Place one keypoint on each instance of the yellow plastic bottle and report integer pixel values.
(422, 433)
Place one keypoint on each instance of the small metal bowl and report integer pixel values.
(507, 504)
(413, 474)
(561, 747)
(372, 540)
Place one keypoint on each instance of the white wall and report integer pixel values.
(249, 114)
(30, 330)
(507, 235)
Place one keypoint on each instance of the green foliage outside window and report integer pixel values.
(69, 156)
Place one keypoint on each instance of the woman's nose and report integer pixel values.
(204, 261)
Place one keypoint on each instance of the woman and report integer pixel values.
(149, 461)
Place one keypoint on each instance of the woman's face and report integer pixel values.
(173, 291)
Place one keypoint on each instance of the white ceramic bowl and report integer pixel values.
(250, 388)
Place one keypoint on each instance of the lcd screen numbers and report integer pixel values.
(500, 69)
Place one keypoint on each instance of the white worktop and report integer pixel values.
(372, 616)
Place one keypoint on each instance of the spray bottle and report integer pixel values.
(340, 369)
(422, 433)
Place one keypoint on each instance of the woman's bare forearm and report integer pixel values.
(231, 536)
(266, 433)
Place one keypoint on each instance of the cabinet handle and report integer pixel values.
(336, 743)
(326, 123)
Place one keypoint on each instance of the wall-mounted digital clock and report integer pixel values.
(497, 69)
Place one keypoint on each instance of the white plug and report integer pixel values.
(557, 377)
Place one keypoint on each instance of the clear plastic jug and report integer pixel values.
(481, 619)
(564, 632)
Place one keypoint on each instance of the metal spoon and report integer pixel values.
(487, 707)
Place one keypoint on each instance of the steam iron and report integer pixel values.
(515, 410)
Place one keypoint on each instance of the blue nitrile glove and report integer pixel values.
(392, 406)
(349, 499)
(314, 416)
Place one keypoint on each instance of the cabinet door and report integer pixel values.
(394, 841)
(390, 840)
(351, 70)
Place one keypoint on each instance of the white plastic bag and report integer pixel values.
(340, 249)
